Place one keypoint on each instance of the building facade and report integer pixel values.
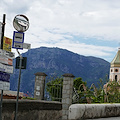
(115, 68)
(114, 75)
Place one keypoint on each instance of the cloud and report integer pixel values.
(13, 6)
(80, 48)
(57, 23)
(70, 16)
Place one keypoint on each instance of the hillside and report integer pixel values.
(56, 61)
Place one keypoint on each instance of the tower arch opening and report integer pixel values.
(115, 78)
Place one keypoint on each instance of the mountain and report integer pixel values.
(56, 62)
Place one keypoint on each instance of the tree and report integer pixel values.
(80, 91)
(92, 94)
(113, 92)
(78, 82)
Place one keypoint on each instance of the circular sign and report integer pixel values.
(21, 23)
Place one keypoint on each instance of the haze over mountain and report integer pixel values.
(56, 61)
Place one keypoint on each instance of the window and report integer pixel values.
(115, 78)
(116, 70)
(111, 70)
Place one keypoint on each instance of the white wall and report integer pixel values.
(90, 111)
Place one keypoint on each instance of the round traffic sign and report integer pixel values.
(21, 23)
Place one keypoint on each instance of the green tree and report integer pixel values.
(79, 86)
(113, 92)
(77, 83)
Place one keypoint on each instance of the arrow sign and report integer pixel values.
(4, 85)
(5, 77)
(6, 60)
(7, 54)
(26, 46)
(6, 68)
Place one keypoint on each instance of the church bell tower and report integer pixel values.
(115, 68)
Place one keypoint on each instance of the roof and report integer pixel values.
(116, 61)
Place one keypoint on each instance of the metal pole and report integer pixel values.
(3, 29)
(1, 105)
(18, 84)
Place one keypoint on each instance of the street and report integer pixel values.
(111, 118)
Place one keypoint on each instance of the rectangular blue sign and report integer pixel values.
(4, 77)
(18, 40)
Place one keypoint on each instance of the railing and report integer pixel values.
(53, 92)
(75, 98)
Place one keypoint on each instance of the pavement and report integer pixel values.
(111, 118)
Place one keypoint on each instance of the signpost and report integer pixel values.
(6, 62)
(0, 32)
(21, 24)
(1, 46)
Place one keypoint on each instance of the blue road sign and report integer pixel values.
(4, 77)
(18, 40)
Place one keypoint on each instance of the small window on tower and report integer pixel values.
(111, 70)
(115, 78)
(116, 70)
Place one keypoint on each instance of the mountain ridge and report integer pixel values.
(57, 61)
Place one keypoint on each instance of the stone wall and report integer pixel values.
(32, 110)
(92, 111)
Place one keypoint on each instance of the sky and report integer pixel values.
(86, 27)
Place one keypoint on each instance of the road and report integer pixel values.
(111, 118)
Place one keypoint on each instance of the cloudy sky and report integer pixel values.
(86, 27)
